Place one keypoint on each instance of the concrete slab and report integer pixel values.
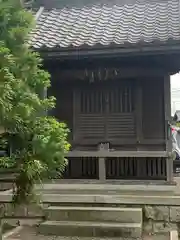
(69, 213)
(30, 233)
(111, 187)
(112, 199)
(169, 200)
(91, 229)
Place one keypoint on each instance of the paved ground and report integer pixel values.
(28, 233)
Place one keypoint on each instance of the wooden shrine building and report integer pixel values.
(110, 65)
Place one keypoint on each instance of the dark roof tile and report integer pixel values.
(106, 24)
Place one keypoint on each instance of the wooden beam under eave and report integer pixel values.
(138, 112)
(109, 51)
(103, 74)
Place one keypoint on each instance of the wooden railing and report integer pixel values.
(103, 165)
(111, 153)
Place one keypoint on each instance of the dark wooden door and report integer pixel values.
(104, 113)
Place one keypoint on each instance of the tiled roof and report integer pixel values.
(106, 24)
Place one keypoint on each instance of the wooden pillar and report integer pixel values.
(102, 162)
(102, 169)
(76, 111)
(167, 112)
(138, 109)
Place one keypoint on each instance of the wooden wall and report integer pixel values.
(153, 119)
(64, 103)
(117, 168)
(152, 110)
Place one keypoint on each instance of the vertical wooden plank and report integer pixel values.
(131, 166)
(102, 164)
(102, 169)
(130, 99)
(106, 114)
(126, 99)
(138, 109)
(155, 167)
(121, 100)
(76, 106)
(122, 174)
(44, 93)
(118, 167)
(167, 118)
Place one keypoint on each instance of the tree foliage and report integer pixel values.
(39, 141)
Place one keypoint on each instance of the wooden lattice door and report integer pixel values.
(103, 113)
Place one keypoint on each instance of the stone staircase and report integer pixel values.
(7, 178)
(92, 221)
(7, 175)
(93, 209)
(97, 211)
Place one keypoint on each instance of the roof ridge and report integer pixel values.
(49, 4)
(38, 13)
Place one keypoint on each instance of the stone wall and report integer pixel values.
(161, 219)
(156, 219)
(31, 214)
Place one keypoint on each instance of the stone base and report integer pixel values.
(30, 233)
(161, 208)
(161, 219)
(91, 229)
(116, 187)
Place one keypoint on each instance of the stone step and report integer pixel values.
(7, 180)
(110, 189)
(6, 186)
(30, 233)
(91, 229)
(101, 200)
(70, 213)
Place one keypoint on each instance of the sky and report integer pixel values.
(175, 93)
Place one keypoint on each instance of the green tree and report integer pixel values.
(39, 141)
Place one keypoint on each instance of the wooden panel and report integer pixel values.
(64, 103)
(89, 122)
(120, 99)
(91, 101)
(153, 108)
(105, 113)
(129, 168)
(104, 74)
(90, 126)
(82, 168)
(134, 168)
(121, 126)
(138, 113)
(120, 117)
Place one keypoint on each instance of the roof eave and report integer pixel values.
(78, 53)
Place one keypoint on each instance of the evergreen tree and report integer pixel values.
(39, 141)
